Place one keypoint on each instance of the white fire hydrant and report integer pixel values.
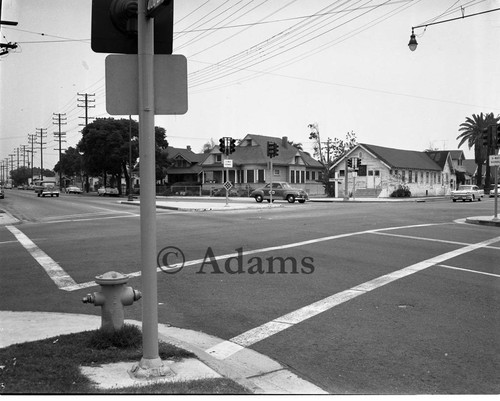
(114, 295)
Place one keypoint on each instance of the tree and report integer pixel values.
(330, 151)
(298, 145)
(472, 132)
(20, 175)
(207, 147)
(105, 146)
(70, 164)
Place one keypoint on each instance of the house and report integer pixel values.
(252, 167)
(380, 171)
(184, 165)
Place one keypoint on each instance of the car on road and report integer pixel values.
(492, 191)
(280, 190)
(108, 191)
(467, 192)
(2, 195)
(73, 190)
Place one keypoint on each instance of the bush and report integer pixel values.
(402, 192)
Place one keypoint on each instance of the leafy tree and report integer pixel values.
(21, 175)
(329, 151)
(471, 132)
(207, 147)
(105, 146)
(70, 164)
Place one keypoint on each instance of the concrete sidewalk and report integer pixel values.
(254, 371)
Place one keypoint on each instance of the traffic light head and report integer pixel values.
(114, 26)
(276, 149)
(349, 162)
(232, 145)
(270, 149)
(496, 139)
(487, 136)
(222, 145)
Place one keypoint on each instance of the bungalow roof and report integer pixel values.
(402, 159)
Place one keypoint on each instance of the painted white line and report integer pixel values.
(52, 268)
(268, 249)
(226, 348)
(470, 271)
(444, 241)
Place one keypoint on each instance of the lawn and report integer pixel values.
(52, 366)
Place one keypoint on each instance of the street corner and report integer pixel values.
(7, 218)
(484, 220)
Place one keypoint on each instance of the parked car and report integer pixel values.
(73, 190)
(2, 195)
(280, 190)
(492, 191)
(109, 191)
(467, 192)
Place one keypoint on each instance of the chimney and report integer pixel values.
(284, 141)
(188, 148)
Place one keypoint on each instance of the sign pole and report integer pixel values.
(150, 364)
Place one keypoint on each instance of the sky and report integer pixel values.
(268, 67)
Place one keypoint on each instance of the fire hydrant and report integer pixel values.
(114, 295)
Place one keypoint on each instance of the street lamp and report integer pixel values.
(413, 41)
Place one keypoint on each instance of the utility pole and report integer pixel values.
(23, 148)
(17, 151)
(59, 120)
(31, 138)
(4, 47)
(41, 133)
(87, 104)
(11, 155)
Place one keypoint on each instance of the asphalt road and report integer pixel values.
(385, 298)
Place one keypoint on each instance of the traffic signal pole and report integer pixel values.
(150, 364)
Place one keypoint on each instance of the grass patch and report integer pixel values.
(51, 366)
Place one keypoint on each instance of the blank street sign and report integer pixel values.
(170, 84)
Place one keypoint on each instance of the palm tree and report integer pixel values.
(472, 132)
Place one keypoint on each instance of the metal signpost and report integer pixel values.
(495, 162)
(136, 80)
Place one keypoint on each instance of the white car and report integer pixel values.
(107, 191)
(467, 192)
(73, 190)
(492, 191)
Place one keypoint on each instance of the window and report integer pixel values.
(250, 176)
(416, 177)
(426, 177)
(403, 176)
(313, 175)
(302, 176)
(308, 175)
(377, 173)
(276, 171)
(292, 176)
(370, 173)
(218, 158)
(410, 176)
(261, 176)
(341, 173)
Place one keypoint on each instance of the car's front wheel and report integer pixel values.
(290, 198)
(259, 198)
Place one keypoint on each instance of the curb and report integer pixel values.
(7, 218)
(256, 372)
(204, 208)
(484, 220)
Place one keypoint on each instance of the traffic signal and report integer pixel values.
(222, 145)
(496, 141)
(487, 136)
(349, 162)
(114, 26)
(272, 149)
(232, 145)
